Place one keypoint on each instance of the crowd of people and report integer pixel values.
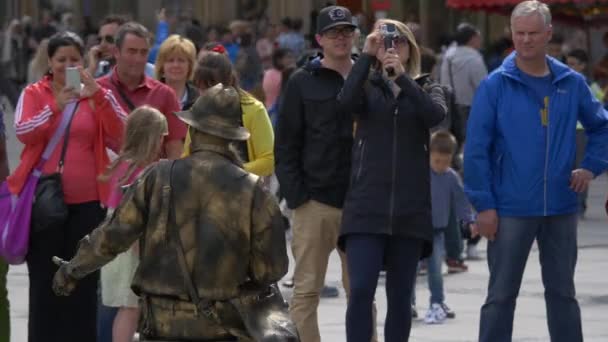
(365, 145)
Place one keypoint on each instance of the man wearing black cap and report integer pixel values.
(312, 153)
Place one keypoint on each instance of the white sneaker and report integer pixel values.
(473, 253)
(435, 315)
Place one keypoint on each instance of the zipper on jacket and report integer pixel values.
(547, 140)
(394, 172)
(362, 151)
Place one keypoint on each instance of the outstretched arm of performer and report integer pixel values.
(112, 237)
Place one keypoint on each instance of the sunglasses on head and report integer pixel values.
(108, 39)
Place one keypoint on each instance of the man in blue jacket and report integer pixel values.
(519, 176)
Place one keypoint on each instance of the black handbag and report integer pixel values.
(49, 210)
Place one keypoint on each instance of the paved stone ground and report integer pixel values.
(465, 292)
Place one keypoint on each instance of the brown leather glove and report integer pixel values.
(63, 282)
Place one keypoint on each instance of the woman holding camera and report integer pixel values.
(97, 123)
(386, 220)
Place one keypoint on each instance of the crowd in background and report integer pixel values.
(183, 60)
(249, 44)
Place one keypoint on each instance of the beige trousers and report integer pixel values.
(316, 227)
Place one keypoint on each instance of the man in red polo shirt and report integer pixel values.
(132, 88)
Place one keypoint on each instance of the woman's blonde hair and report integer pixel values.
(141, 143)
(39, 65)
(175, 44)
(413, 63)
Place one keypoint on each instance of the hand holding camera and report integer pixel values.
(90, 86)
(392, 64)
(93, 58)
(372, 43)
(389, 34)
(66, 95)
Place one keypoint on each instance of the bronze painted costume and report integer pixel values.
(231, 232)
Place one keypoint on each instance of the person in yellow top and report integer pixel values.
(257, 152)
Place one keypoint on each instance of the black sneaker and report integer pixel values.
(330, 292)
(448, 312)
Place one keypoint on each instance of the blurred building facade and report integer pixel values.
(436, 20)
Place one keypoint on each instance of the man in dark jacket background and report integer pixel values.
(312, 151)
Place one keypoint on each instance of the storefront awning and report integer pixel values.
(574, 12)
(497, 4)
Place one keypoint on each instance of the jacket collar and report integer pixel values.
(314, 64)
(224, 151)
(558, 70)
(146, 81)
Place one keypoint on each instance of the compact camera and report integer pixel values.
(389, 34)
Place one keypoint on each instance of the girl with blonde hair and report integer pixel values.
(39, 65)
(145, 131)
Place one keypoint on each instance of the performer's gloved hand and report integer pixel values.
(63, 282)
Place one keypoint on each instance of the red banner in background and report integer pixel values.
(380, 5)
(481, 4)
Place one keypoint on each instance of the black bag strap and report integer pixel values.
(241, 146)
(202, 306)
(66, 139)
(122, 94)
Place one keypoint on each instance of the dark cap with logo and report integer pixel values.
(332, 16)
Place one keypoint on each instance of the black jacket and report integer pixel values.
(192, 95)
(313, 138)
(390, 190)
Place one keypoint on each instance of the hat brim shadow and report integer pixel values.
(342, 23)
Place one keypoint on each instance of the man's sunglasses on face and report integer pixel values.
(108, 39)
(346, 32)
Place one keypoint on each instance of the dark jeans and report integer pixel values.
(453, 239)
(61, 319)
(365, 255)
(507, 257)
(454, 236)
(434, 273)
(5, 322)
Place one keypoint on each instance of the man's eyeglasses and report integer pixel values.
(108, 39)
(346, 32)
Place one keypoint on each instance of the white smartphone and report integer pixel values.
(72, 78)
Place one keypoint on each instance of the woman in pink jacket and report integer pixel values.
(96, 124)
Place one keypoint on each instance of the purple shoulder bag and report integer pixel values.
(16, 210)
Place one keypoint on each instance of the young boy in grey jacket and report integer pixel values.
(447, 194)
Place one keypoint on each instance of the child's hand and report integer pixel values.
(474, 230)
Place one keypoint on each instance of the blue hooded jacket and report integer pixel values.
(515, 164)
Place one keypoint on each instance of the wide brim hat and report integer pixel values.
(217, 112)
